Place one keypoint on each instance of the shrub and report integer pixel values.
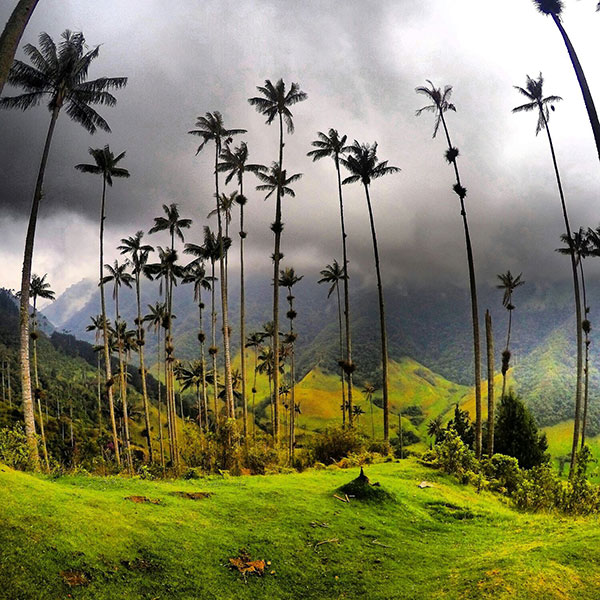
(336, 443)
(539, 489)
(452, 456)
(503, 472)
(14, 450)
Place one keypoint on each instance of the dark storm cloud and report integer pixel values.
(359, 62)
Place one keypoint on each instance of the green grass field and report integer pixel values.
(446, 541)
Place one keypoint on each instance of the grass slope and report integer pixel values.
(441, 542)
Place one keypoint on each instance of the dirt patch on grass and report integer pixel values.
(74, 578)
(193, 495)
(143, 500)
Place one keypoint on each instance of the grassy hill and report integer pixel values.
(79, 537)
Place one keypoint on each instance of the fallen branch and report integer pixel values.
(378, 543)
(331, 541)
(340, 498)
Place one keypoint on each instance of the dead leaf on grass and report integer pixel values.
(74, 578)
(193, 495)
(143, 500)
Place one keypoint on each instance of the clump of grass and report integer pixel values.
(361, 488)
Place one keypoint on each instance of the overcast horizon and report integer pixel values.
(359, 63)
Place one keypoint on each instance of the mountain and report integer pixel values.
(70, 302)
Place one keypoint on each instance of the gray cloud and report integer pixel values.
(359, 62)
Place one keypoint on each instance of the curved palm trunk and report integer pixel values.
(243, 316)
(224, 307)
(123, 385)
(585, 90)
(11, 36)
(489, 337)
(586, 369)
(28, 411)
(337, 288)
(202, 361)
(346, 295)
(383, 330)
(37, 388)
(160, 431)
(214, 346)
(576, 425)
(107, 365)
(474, 305)
(143, 367)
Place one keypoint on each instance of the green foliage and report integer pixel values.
(461, 423)
(14, 450)
(502, 472)
(336, 443)
(452, 456)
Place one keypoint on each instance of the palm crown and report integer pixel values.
(330, 144)
(40, 288)
(119, 275)
(196, 273)
(105, 164)
(235, 163)
(549, 7)
(275, 101)
(274, 178)
(211, 128)
(332, 274)
(172, 222)
(138, 252)
(508, 284)
(440, 100)
(364, 165)
(578, 242)
(60, 73)
(533, 90)
(288, 278)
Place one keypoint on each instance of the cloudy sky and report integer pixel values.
(359, 62)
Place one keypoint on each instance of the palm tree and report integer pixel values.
(11, 35)
(211, 129)
(357, 411)
(489, 344)
(234, 162)
(39, 288)
(288, 279)
(105, 164)
(254, 340)
(582, 247)
(333, 274)
(508, 283)
(59, 73)
(441, 104)
(97, 325)
(138, 260)
(119, 276)
(534, 93)
(156, 318)
(554, 9)
(364, 166)
(195, 376)
(332, 145)
(368, 391)
(196, 273)
(275, 102)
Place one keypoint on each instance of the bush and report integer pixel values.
(452, 456)
(259, 457)
(539, 490)
(14, 451)
(336, 443)
(503, 472)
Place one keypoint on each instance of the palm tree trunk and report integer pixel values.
(292, 390)
(143, 367)
(107, 365)
(169, 362)
(254, 392)
(98, 392)
(585, 90)
(384, 348)
(37, 387)
(474, 305)
(123, 385)
(277, 229)
(28, 411)
(337, 287)
(586, 370)
(576, 425)
(11, 36)
(243, 317)
(202, 361)
(224, 308)
(489, 337)
(160, 429)
(214, 348)
(505, 370)
(346, 294)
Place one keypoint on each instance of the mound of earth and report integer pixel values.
(361, 488)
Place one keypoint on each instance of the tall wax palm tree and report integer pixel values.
(59, 74)
(357, 411)
(196, 273)
(333, 274)
(118, 274)
(275, 102)
(138, 259)
(194, 376)
(211, 128)
(364, 166)
(156, 318)
(39, 288)
(441, 104)
(508, 283)
(582, 247)
(333, 145)
(288, 279)
(368, 391)
(554, 9)
(254, 341)
(106, 165)
(11, 35)
(534, 92)
(235, 163)
(275, 180)
(97, 326)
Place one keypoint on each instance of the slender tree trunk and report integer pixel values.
(243, 317)
(11, 36)
(337, 287)
(107, 365)
(277, 229)
(98, 391)
(202, 361)
(576, 425)
(28, 411)
(474, 305)
(382, 326)
(123, 384)
(170, 362)
(37, 387)
(489, 338)
(506, 350)
(292, 387)
(224, 307)
(586, 370)
(401, 435)
(141, 342)
(160, 427)
(346, 293)
(8, 385)
(254, 392)
(585, 90)
(214, 348)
